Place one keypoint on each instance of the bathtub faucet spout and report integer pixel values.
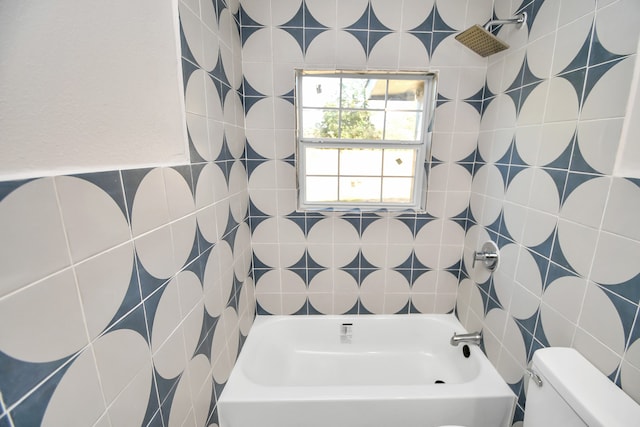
(472, 338)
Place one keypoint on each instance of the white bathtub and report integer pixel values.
(297, 371)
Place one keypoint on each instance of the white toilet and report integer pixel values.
(574, 393)
(565, 390)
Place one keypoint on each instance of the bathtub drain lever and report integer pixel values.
(346, 332)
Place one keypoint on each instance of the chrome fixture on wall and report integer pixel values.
(471, 338)
(481, 41)
(489, 255)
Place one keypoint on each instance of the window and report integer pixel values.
(363, 139)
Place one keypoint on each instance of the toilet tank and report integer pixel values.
(574, 393)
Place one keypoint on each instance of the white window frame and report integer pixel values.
(423, 146)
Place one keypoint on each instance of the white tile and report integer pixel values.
(615, 259)
(93, 221)
(620, 216)
(120, 356)
(597, 353)
(30, 214)
(600, 319)
(103, 282)
(608, 98)
(557, 329)
(578, 245)
(50, 314)
(77, 399)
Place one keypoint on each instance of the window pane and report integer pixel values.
(320, 123)
(399, 162)
(397, 190)
(361, 161)
(406, 94)
(320, 92)
(359, 189)
(355, 92)
(321, 161)
(358, 124)
(321, 189)
(403, 125)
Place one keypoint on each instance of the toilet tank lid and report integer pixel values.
(596, 399)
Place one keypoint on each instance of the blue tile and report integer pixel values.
(6, 187)
(375, 37)
(556, 272)
(438, 37)
(363, 38)
(516, 160)
(148, 283)
(374, 22)
(536, 344)
(309, 35)
(184, 48)
(111, 183)
(362, 309)
(406, 309)
(213, 418)
(155, 421)
(246, 20)
(493, 301)
(439, 24)
(310, 21)
(361, 23)
(298, 19)
(518, 81)
(574, 180)
(304, 310)
(134, 321)
(527, 329)
(17, 377)
(206, 337)
(595, 73)
(629, 290)
(558, 257)
(563, 160)
(599, 54)
(261, 311)
(525, 91)
(30, 411)
(626, 310)
(425, 39)
(152, 415)
(559, 176)
(251, 97)
(131, 180)
(540, 339)
(495, 226)
(247, 31)
(131, 299)
(166, 392)
(219, 75)
(544, 248)
(426, 26)
(298, 35)
(581, 58)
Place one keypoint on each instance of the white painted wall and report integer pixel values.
(89, 85)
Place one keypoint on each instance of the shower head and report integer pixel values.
(481, 41)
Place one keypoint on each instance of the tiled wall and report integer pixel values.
(544, 189)
(358, 263)
(125, 294)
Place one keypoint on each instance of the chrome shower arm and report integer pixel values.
(518, 20)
